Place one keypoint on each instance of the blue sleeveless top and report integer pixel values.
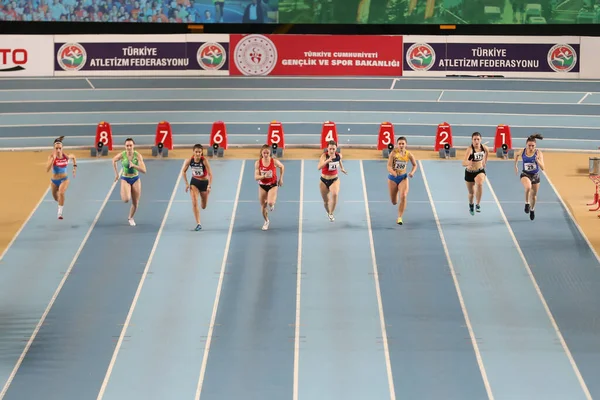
(530, 165)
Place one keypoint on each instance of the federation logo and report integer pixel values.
(562, 58)
(211, 56)
(71, 56)
(255, 55)
(420, 57)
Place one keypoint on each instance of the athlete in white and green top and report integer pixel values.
(132, 163)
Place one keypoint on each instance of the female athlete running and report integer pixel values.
(200, 182)
(59, 182)
(398, 178)
(475, 160)
(533, 162)
(131, 185)
(265, 172)
(329, 163)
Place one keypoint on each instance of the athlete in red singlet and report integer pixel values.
(265, 172)
(58, 162)
(329, 163)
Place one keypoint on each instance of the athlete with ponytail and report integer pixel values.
(58, 162)
(475, 160)
(533, 162)
(265, 172)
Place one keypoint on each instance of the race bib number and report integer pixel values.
(477, 156)
(400, 165)
(333, 166)
(197, 171)
(528, 166)
(267, 174)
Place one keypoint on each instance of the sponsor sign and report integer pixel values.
(547, 57)
(159, 55)
(24, 56)
(321, 55)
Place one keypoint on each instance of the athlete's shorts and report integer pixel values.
(534, 178)
(328, 182)
(470, 175)
(130, 179)
(397, 179)
(57, 182)
(266, 188)
(201, 184)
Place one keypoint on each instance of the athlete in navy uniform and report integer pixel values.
(533, 162)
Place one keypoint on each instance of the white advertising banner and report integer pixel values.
(26, 55)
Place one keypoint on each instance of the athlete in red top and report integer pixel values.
(329, 163)
(265, 172)
(200, 183)
(58, 162)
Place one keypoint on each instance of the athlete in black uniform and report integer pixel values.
(200, 182)
(475, 160)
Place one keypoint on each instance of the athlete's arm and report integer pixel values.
(281, 167)
(72, 157)
(186, 165)
(208, 172)
(50, 161)
(142, 165)
(342, 166)
(540, 160)
(486, 151)
(257, 175)
(323, 160)
(466, 162)
(390, 165)
(413, 161)
(517, 160)
(116, 159)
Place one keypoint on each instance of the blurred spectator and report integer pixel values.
(157, 11)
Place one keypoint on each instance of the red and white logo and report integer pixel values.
(255, 55)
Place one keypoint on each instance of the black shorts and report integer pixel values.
(328, 182)
(470, 175)
(266, 188)
(201, 184)
(534, 178)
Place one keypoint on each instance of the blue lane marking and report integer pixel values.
(83, 325)
(405, 117)
(252, 350)
(222, 94)
(432, 95)
(499, 84)
(507, 84)
(175, 306)
(519, 347)
(298, 106)
(503, 96)
(565, 268)
(341, 353)
(428, 338)
(70, 97)
(28, 279)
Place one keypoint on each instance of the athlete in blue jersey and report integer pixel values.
(132, 164)
(533, 162)
(58, 162)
